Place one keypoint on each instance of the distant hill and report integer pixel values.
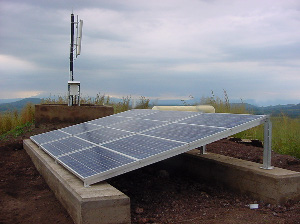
(9, 100)
(291, 110)
(18, 105)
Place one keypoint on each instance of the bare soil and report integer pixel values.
(156, 195)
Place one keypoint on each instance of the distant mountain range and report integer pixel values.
(19, 104)
(291, 110)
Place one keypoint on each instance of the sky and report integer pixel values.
(160, 49)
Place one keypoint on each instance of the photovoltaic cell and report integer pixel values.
(63, 146)
(109, 146)
(136, 113)
(94, 160)
(76, 167)
(137, 125)
(80, 128)
(182, 133)
(48, 137)
(103, 135)
(108, 120)
(220, 120)
(141, 147)
(169, 116)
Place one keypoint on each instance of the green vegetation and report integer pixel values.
(286, 135)
(12, 120)
(17, 131)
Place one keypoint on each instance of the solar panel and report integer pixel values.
(182, 132)
(109, 146)
(48, 137)
(103, 135)
(80, 128)
(137, 125)
(66, 145)
(94, 160)
(220, 120)
(141, 147)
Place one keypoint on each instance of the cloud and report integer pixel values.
(13, 64)
(154, 48)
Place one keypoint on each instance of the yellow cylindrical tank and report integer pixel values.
(198, 108)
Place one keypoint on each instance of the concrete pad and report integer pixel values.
(273, 186)
(99, 203)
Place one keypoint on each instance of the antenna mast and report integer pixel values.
(72, 48)
(74, 86)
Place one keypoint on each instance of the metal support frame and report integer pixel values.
(204, 149)
(267, 145)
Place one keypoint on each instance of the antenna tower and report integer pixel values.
(74, 86)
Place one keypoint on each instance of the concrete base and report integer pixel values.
(274, 186)
(60, 113)
(100, 203)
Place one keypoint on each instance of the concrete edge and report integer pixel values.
(275, 186)
(99, 203)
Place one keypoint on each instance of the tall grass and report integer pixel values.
(55, 100)
(12, 119)
(222, 105)
(286, 135)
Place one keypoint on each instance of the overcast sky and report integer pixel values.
(160, 49)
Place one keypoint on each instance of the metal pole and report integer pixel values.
(204, 149)
(71, 47)
(267, 145)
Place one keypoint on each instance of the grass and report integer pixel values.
(17, 131)
(286, 135)
(223, 105)
(11, 120)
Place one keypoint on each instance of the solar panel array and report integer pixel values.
(109, 146)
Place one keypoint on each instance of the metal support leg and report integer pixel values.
(204, 149)
(267, 145)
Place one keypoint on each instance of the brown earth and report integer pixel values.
(156, 195)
